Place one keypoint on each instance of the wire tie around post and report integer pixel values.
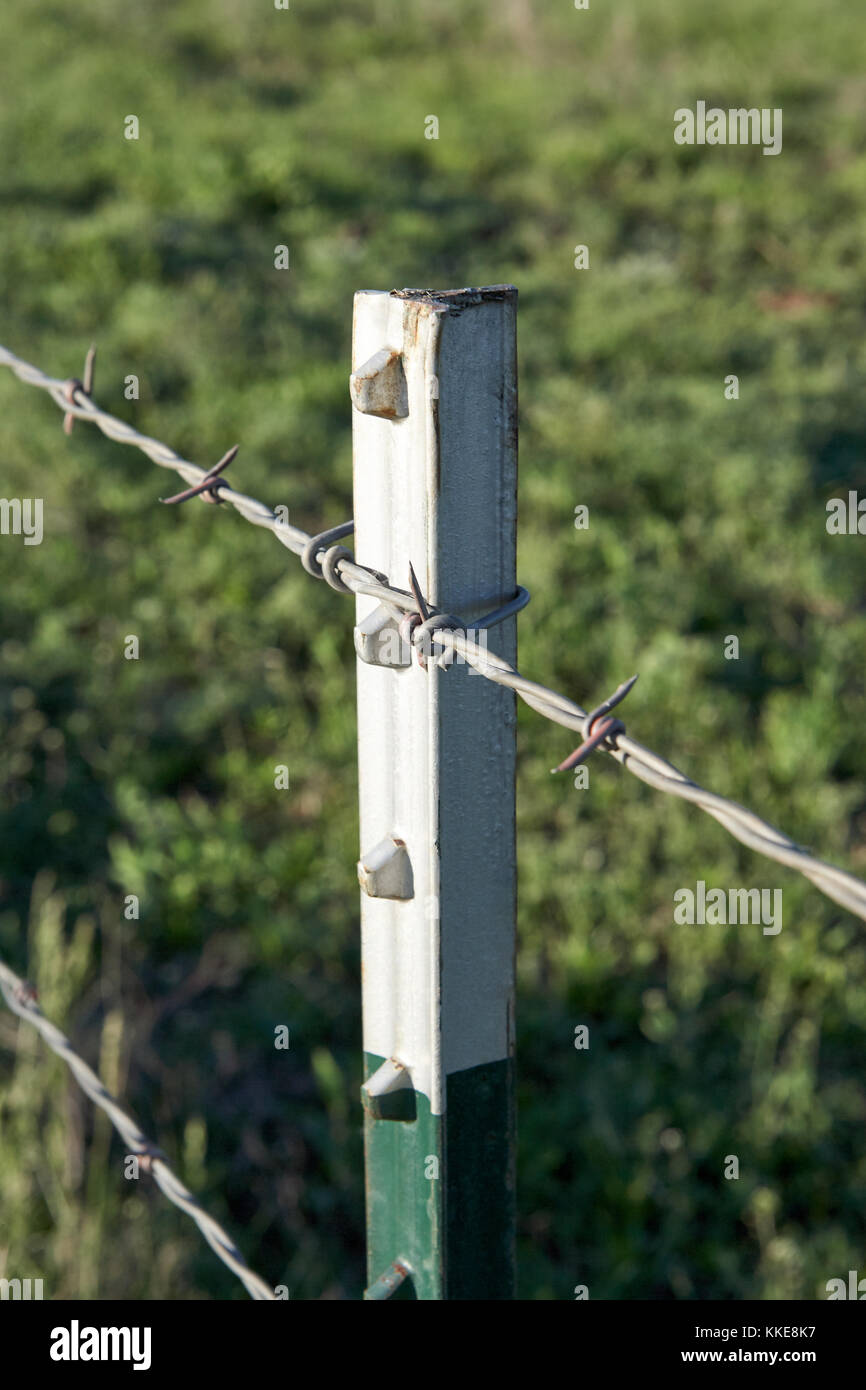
(418, 627)
(327, 568)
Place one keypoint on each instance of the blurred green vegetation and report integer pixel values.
(155, 776)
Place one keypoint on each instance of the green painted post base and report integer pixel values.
(443, 1196)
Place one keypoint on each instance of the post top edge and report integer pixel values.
(458, 299)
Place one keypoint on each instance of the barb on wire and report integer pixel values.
(417, 628)
(604, 733)
(21, 999)
(744, 825)
(85, 387)
(410, 621)
(208, 488)
(417, 595)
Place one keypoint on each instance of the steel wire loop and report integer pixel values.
(327, 568)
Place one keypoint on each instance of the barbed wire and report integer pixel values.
(339, 569)
(21, 999)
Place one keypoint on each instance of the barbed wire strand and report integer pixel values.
(20, 997)
(345, 574)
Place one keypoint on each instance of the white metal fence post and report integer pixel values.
(435, 462)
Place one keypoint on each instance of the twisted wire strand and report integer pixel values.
(757, 834)
(19, 997)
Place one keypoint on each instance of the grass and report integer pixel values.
(707, 518)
